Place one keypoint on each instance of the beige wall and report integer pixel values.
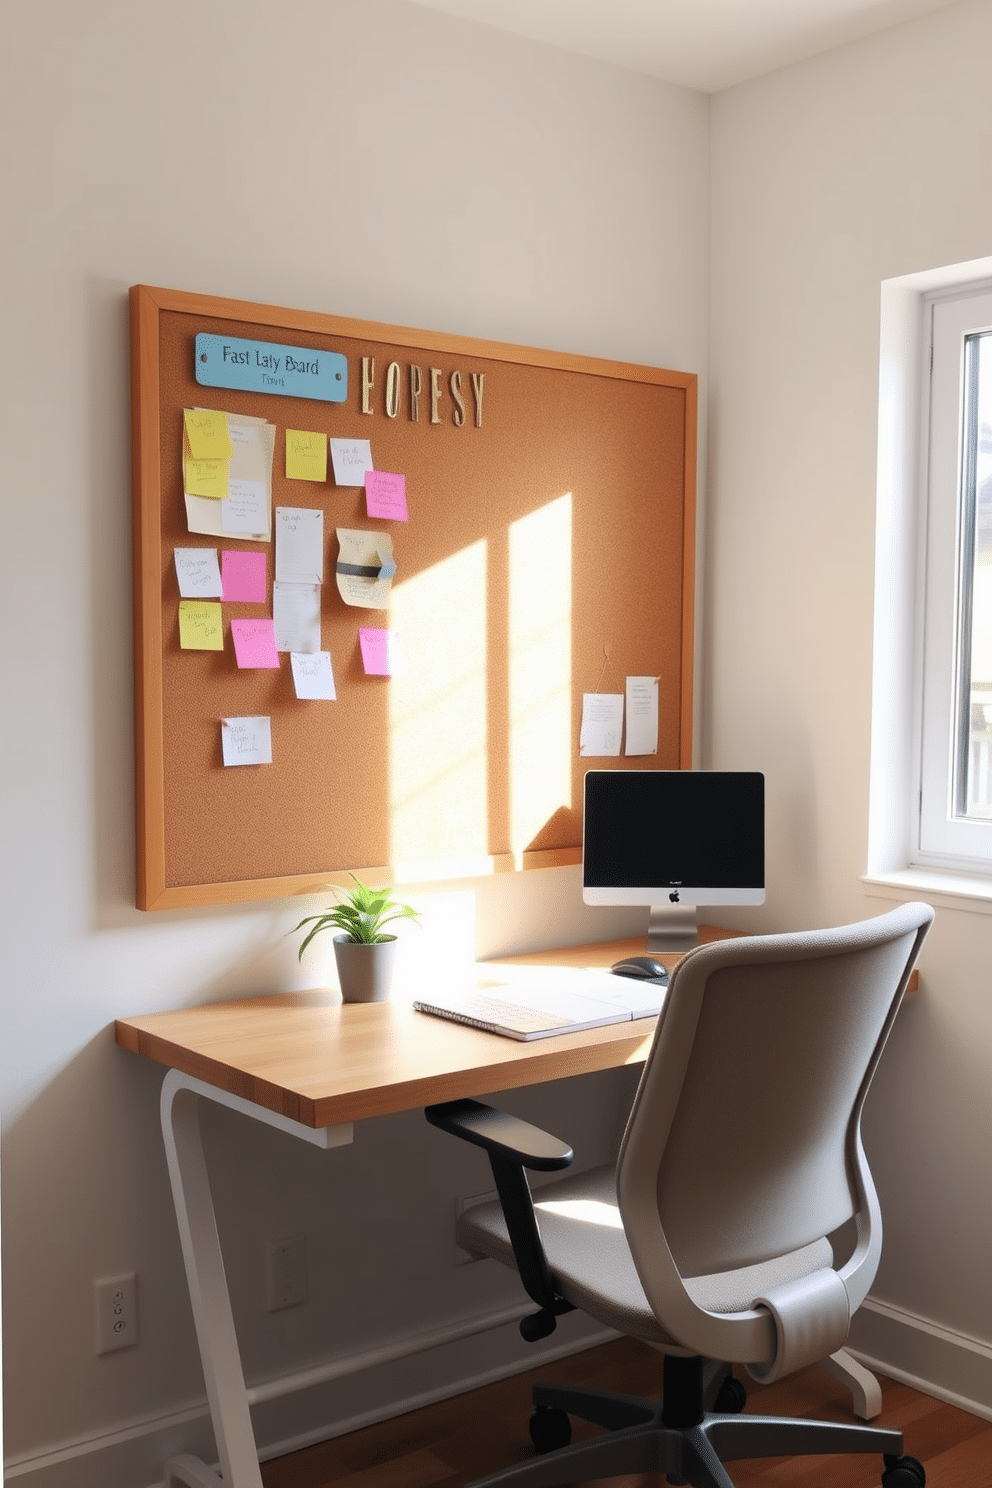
(360, 157)
(827, 178)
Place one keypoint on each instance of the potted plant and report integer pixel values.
(363, 951)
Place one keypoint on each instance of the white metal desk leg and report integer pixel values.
(208, 1291)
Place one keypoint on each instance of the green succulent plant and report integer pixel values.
(360, 913)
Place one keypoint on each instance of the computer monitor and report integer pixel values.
(673, 840)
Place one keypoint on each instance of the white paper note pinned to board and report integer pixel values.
(642, 716)
(246, 741)
(602, 723)
(246, 511)
(296, 612)
(313, 676)
(299, 545)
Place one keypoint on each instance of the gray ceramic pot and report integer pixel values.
(365, 972)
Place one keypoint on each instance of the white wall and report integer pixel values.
(364, 158)
(828, 177)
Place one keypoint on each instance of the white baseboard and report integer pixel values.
(936, 1360)
(948, 1365)
(132, 1454)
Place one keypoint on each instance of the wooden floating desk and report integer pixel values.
(307, 1057)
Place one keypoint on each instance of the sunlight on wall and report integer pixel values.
(439, 805)
(540, 627)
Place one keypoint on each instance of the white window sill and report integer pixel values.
(952, 890)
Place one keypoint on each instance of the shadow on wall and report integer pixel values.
(107, 586)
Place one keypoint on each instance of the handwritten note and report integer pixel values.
(296, 615)
(642, 716)
(299, 545)
(254, 643)
(602, 723)
(246, 741)
(380, 651)
(243, 577)
(197, 573)
(245, 513)
(385, 495)
(350, 458)
(206, 478)
(306, 455)
(200, 626)
(206, 430)
(313, 677)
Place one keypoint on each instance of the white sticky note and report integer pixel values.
(246, 741)
(351, 458)
(299, 545)
(296, 612)
(642, 716)
(602, 723)
(198, 573)
(312, 675)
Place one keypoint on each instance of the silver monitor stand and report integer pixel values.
(672, 927)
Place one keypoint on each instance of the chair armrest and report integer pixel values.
(501, 1134)
(511, 1146)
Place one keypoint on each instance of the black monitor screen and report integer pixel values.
(648, 833)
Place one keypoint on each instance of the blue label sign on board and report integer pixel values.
(270, 367)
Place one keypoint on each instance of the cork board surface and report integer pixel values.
(557, 533)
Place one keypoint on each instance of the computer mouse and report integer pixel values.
(645, 967)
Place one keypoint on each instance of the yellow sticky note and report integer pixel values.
(200, 627)
(306, 455)
(206, 430)
(206, 477)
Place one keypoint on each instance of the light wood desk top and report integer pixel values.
(309, 1057)
(313, 1059)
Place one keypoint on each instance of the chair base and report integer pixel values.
(639, 1441)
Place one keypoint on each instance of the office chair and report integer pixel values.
(711, 1239)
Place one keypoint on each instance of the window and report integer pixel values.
(930, 800)
(954, 826)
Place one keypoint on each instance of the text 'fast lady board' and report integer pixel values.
(270, 367)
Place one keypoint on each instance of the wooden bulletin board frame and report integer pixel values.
(619, 438)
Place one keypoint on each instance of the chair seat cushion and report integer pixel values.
(584, 1240)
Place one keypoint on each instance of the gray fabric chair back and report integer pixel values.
(743, 1143)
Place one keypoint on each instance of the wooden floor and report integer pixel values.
(447, 1445)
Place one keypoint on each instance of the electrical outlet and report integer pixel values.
(465, 1257)
(116, 1302)
(285, 1272)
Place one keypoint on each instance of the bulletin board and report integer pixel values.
(548, 552)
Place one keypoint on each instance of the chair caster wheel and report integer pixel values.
(731, 1398)
(550, 1429)
(903, 1472)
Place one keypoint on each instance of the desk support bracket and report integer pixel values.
(189, 1472)
(211, 1302)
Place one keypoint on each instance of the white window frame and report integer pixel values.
(942, 837)
(896, 859)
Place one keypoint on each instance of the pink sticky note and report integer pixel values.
(255, 643)
(380, 651)
(385, 495)
(243, 576)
